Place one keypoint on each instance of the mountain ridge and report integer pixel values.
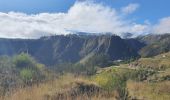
(74, 48)
(69, 48)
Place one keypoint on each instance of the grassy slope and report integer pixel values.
(149, 91)
(157, 86)
(66, 87)
(111, 83)
(154, 87)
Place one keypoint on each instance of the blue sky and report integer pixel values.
(36, 18)
(149, 9)
(35, 6)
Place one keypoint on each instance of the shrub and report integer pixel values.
(113, 80)
(23, 61)
(27, 75)
(141, 74)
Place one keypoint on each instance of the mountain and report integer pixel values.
(71, 48)
(155, 44)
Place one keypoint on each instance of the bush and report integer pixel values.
(29, 70)
(140, 74)
(27, 75)
(113, 80)
(24, 61)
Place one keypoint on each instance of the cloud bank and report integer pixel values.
(163, 26)
(82, 16)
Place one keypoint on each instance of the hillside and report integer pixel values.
(71, 48)
(79, 48)
(155, 44)
(156, 85)
(143, 79)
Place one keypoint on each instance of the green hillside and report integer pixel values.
(145, 78)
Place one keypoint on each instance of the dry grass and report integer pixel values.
(159, 62)
(149, 91)
(67, 87)
(71, 87)
(37, 92)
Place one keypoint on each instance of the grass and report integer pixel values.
(159, 62)
(65, 87)
(102, 86)
(149, 91)
(151, 82)
(37, 92)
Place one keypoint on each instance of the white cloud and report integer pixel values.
(140, 29)
(130, 8)
(163, 26)
(82, 16)
(21, 25)
(92, 17)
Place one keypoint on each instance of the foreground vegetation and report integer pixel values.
(23, 78)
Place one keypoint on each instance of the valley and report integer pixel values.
(95, 76)
(84, 50)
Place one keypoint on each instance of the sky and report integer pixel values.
(36, 18)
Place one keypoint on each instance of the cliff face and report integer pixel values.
(70, 48)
